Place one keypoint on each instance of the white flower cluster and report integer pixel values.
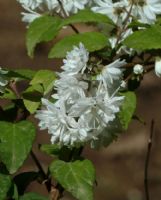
(36, 8)
(122, 12)
(85, 104)
(3, 80)
(144, 11)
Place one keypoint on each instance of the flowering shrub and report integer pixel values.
(90, 101)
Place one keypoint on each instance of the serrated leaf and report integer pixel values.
(127, 109)
(84, 16)
(147, 39)
(16, 141)
(76, 177)
(46, 78)
(42, 29)
(93, 41)
(5, 184)
(33, 196)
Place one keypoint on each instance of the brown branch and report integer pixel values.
(124, 26)
(13, 87)
(65, 15)
(147, 160)
(54, 194)
(42, 172)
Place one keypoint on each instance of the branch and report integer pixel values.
(124, 26)
(65, 15)
(41, 170)
(146, 186)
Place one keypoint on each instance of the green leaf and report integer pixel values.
(136, 24)
(46, 78)
(15, 195)
(5, 184)
(31, 106)
(51, 149)
(146, 39)
(127, 109)
(158, 20)
(32, 97)
(84, 16)
(8, 94)
(21, 74)
(33, 196)
(76, 177)
(16, 141)
(42, 29)
(93, 41)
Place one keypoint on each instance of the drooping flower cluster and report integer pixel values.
(36, 8)
(3, 80)
(85, 104)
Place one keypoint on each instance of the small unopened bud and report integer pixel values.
(158, 66)
(138, 69)
(123, 84)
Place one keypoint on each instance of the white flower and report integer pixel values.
(36, 8)
(3, 80)
(29, 17)
(158, 66)
(63, 128)
(123, 49)
(96, 111)
(76, 60)
(53, 5)
(146, 10)
(138, 69)
(72, 6)
(70, 88)
(115, 11)
(30, 3)
(111, 72)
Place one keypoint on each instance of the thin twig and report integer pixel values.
(41, 170)
(124, 26)
(13, 87)
(147, 160)
(65, 15)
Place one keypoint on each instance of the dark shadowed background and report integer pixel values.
(120, 167)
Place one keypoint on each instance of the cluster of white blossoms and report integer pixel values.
(36, 8)
(3, 80)
(144, 11)
(124, 11)
(85, 103)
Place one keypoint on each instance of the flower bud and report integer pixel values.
(138, 69)
(158, 66)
